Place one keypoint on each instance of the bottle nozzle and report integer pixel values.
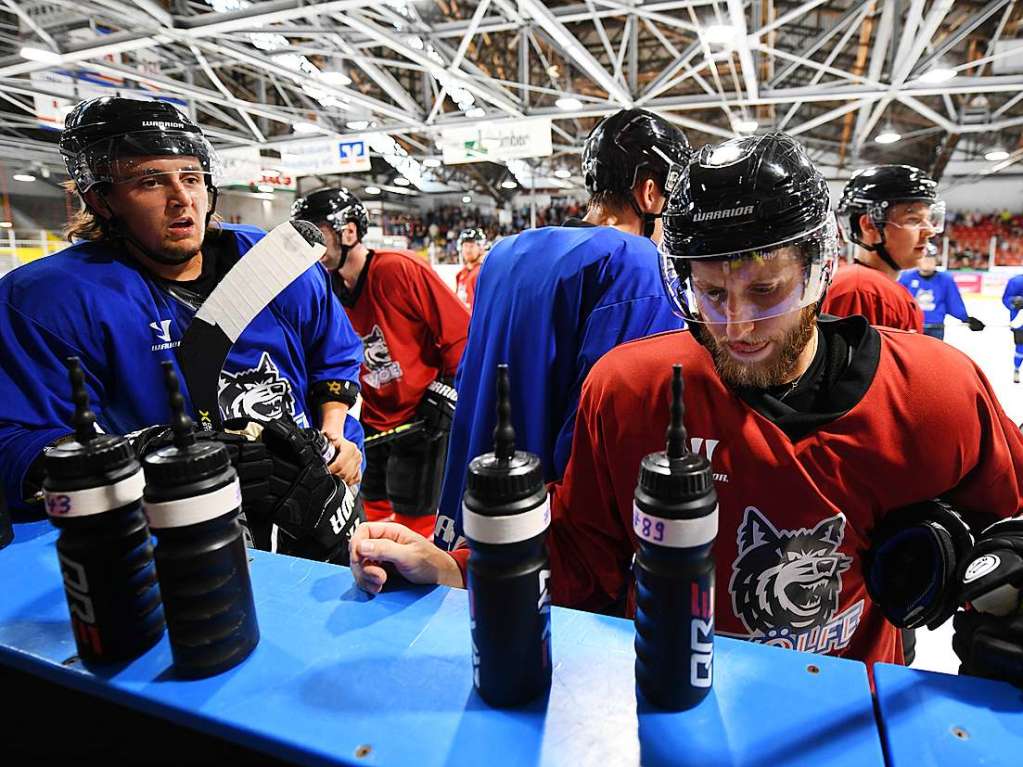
(676, 435)
(84, 420)
(184, 427)
(504, 433)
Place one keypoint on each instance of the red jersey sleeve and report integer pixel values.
(590, 548)
(445, 316)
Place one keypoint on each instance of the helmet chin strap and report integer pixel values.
(879, 248)
(649, 219)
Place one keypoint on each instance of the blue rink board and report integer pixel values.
(941, 720)
(336, 670)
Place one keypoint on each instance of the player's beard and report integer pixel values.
(775, 370)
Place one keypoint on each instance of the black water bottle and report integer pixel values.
(192, 500)
(93, 492)
(675, 518)
(505, 513)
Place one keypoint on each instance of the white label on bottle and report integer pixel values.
(191, 511)
(95, 500)
(512, 528)
(675, 533)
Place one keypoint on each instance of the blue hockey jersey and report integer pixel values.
(549, 302)
(1013, 288)
(937, 295)
(92, 301)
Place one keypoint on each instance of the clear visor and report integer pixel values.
(916, 216)
(143, 173)
(753, 285)
(103, 161)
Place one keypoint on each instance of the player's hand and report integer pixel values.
(347, 464)
(414, 557)
(974, 324)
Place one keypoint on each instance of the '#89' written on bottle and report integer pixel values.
(506, 514)
(675, 519)
(93, 493)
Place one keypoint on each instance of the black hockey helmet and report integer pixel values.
(872, 191)
(99, 131)
(335, 206)
(473, 234)
(627, 143)
(752, 198)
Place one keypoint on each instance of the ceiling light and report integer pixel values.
(357, 124)
(467, 198)
(938, 75)
(720, 34)
(335, 78)
(306, 127)
(509, 184)
(996, 155)
(431, 162)
(476, 113)
(563, 173)
(569, 103)
(5, 224)
(746, 126)
(372, 190)
(887, 136)
(401, 181)
(23, 177)
(42, 55)
(264, 187)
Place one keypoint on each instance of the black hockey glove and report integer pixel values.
(989, 633)
(911, 569)
(437, 408)
(974, 324)
(1017, 302)
(284, 481)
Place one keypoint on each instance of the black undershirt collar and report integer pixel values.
(839, 376)
(349, 297)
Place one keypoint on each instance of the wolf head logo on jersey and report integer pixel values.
(259, 393)
(380, 368)
(787, 578)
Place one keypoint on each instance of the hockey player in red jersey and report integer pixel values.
(892, 213)
(844, 468)
(471, 246)
(413, 328)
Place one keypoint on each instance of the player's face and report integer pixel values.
(331, 257)
(910, 227)
(163, 202)
(471, 252)
(748, 351)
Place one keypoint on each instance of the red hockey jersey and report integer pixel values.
(795, 516)
(465, 284)
(413, 330)
(858, 289)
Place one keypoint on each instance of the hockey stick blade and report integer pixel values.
(269, 267)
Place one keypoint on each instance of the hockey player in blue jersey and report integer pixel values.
(551, 301)
(1013, 300)
(937, 294)
(147, 256)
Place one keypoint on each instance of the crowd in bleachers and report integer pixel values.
(440, 227)
(970, 234)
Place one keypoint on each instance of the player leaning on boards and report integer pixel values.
(821, 433)
(146, 254)
(552, 301)
(892, 212)
(413, 328)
